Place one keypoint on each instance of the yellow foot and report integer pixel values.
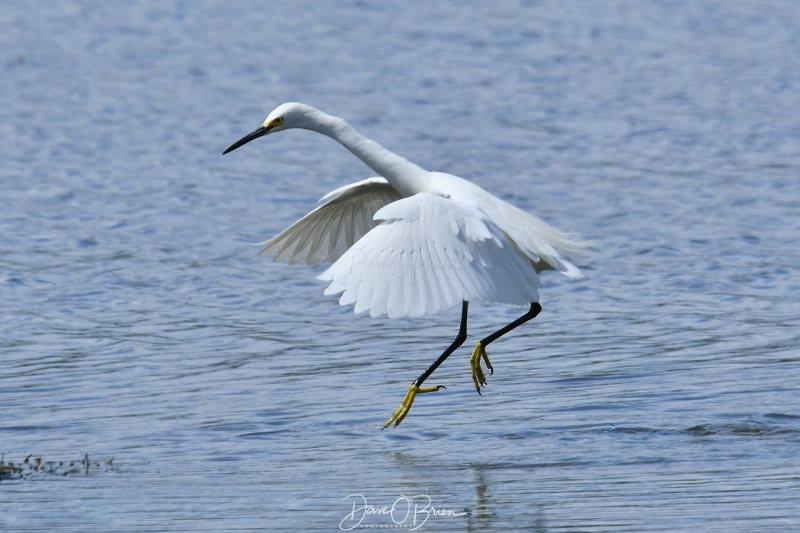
(478, 377)
(401, 413)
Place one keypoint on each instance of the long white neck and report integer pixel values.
(402, 174)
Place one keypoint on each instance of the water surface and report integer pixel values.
(214, 390)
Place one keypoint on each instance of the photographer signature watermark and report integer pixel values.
(412, 267)
(405, 512)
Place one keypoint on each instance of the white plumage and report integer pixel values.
(413, 242)
(427, 255)
(329, 230)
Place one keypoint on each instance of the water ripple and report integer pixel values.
(212, 389)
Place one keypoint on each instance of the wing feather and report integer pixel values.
(427, 255)
(324, 234)
(545, 245)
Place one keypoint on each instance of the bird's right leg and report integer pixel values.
(416, 387)
(478, 377)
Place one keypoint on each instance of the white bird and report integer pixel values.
(412, 242)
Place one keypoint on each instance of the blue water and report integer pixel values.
(215, 390)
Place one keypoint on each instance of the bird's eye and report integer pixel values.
(278, 121)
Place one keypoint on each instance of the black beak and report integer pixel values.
(260, 132)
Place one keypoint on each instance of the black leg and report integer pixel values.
(535, 310)
(459, 340)
(478, 376)
(415, 388)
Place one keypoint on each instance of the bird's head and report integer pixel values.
(283, 117)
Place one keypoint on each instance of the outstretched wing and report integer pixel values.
(329, 230)
(547, 247)
(429, 254)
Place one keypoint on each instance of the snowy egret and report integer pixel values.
(412, 242)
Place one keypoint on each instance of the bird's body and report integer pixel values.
(413, 242)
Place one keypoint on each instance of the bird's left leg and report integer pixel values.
(416, 387)
(478, 377)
